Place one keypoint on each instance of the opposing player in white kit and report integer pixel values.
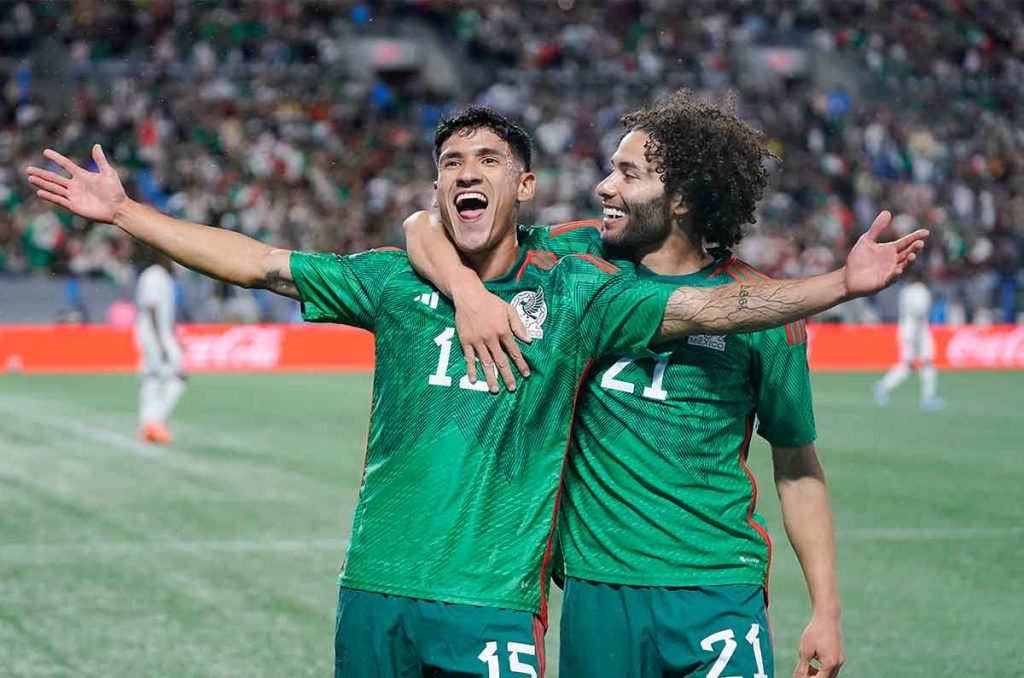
(163, 380)
(916, 346)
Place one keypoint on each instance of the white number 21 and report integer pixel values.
(728, 640)
(611, 382)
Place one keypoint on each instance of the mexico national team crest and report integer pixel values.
(532, 311)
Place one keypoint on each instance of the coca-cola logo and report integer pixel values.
(234, 348)
(986, 347)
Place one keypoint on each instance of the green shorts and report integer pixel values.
(382, 636)
(648, 632)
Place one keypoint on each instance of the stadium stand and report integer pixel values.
(308, 124)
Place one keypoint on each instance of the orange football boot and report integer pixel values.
(155, 433)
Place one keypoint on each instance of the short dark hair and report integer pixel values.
(710, 157)
(472, 118)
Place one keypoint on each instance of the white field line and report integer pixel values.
(65, 424)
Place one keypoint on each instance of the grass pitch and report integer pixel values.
(218, 556)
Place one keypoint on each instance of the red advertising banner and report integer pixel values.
(332, 348)
(207, 348)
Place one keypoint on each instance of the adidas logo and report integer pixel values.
(428, 298)
(715, 341)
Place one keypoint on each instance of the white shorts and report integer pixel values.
(156, 361)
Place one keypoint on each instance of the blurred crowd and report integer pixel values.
(241, 115)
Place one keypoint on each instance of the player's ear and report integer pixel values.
(679, 208)
(527, 187)
(433, 197)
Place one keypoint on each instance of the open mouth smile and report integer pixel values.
(471, 205)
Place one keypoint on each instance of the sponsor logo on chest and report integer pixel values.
(715, 341)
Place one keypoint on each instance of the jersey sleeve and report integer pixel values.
(617, 314)
(574, 237)
(344, 289)
(785, 411)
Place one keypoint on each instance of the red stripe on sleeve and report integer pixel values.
(723, 268)
(559, 229)
(750, 269)
(606, 266)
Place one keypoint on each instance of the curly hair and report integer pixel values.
(472, 118)
(710, 157)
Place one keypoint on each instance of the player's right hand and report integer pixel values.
(91, 195)
(487, 328)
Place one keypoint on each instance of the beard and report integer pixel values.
(649, 224)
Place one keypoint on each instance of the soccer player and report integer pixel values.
(453, 530)
(916, 346)
(666, 559)
(162, 377)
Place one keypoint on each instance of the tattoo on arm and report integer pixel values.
(744, 307)
(275, 281)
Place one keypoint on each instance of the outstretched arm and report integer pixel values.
(747, 306)
(486, 326)
(800, 482)
(219, 253)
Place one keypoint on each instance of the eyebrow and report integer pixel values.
(628, 164)
(476, 150)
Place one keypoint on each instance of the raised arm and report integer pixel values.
(216, 252)
(747, 306)
(486, 326)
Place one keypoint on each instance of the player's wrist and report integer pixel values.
(840, 284)
(464, 285)
(829, 610)
(123, 211)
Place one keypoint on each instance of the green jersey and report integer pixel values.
(459, 491)
(657, 491)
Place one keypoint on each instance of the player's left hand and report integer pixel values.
(822, 641)
(872, 266)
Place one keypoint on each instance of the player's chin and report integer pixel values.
(612, 229)
(476, 238)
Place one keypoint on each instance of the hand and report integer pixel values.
(872, 266)
(91, 195)
(821, 640)
(485, 326)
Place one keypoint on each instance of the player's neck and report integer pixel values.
(677, 255)
(495, 262)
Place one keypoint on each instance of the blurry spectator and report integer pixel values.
(915, 107)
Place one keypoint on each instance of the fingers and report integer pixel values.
(47, 175)
(470, 355)
(879, 224)
(503, 366)
(487, 362)
(909, 256)
(914, 238)
(512, 350)
(50, 186)
(828, 670)
(803, 664)
(54, 198)
(65, 164)
(99, 158)
(518, 328)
